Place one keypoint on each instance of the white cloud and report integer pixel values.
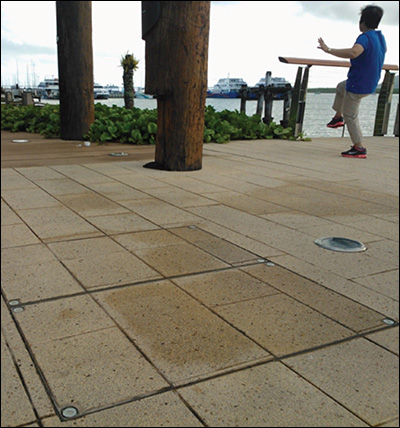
(246, 38)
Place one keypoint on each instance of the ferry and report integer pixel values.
(227, 88)
(49, 89)
(101, 93)
(277, 82)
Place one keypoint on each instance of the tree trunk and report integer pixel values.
(129, 91)
(176, 71)
(75, 67)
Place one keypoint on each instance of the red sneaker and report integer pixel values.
(336, 122)
(354, 152)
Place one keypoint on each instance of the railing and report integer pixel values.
(298, 105)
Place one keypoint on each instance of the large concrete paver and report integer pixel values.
(144, 297)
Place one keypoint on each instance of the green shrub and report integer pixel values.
(139, 126)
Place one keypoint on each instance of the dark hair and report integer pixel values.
(371, 16)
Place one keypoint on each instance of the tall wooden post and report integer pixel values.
(75, 67)
(177, 37)
(384, 105)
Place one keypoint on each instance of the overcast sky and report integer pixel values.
(246, 38)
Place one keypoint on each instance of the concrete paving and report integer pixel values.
(135, 297)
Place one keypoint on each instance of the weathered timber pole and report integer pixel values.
(75, 67)
(177, 37)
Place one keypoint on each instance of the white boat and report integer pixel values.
(227, 88)
(277, 82)
(49, 89)
(100, 92)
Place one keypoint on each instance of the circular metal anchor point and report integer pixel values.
(342, 245)
(69, 412)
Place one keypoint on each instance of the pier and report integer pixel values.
(298, 104)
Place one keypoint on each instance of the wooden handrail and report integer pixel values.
(328, 63)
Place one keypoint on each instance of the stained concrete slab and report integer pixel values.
(282, 325)
(213, 329)
(223, 288)
(182, 338)
(343, 310)
(179, 259)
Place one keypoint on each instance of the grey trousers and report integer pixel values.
(348, 104)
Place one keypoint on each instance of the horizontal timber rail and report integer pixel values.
(298, 104)
(327, 63)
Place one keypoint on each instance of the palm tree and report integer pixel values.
(130, 64)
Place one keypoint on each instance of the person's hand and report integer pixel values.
(322, 45)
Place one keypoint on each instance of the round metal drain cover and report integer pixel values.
(342, 245)
(69, 412)
(118, 154)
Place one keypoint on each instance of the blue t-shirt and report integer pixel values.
(366, 70)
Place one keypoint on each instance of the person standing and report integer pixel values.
(367, 58)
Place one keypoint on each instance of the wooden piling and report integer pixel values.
(384, 105)
(176, 72)
(75, 68)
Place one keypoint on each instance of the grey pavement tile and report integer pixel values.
(39, 173)
(226, 251)
(22, 199)
(164, 410)
(223, 288)
(85, 248)
(25, 256)
(149, 239)
(160, 212)
(386, 283)
(117, 191)
(37, 281)
(16, 408)
(48, 321)
(27, 370)
(266, 396)
(17, 235)
(96, 369)
(282, 325)
(246, 203)
(91, 204)
(121, 223)
(82, 174)
(111, 270)
(8, 216)
(389, 339)
(363, 295)
(181, 259)
(57, 224)
(179, 197)
(360, 375)
(11, 180)
(340, 308)
(179, 335)
(63, 186)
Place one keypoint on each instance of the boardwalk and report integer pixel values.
(137, 297)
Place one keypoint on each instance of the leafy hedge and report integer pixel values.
(139, 126)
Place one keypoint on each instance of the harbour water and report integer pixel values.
(318, 112)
